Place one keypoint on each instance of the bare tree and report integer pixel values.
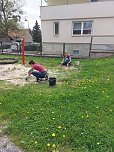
(10, 14)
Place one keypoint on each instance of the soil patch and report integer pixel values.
(14, 73)
(17, 73)
(6, 145)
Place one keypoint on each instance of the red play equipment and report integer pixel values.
(23, 60)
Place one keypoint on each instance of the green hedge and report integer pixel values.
(32, 47)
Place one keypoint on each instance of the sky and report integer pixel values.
(31, 11)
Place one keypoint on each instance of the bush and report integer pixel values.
(33, 47)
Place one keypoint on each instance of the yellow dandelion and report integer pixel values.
(63, 136)
(53, 134)
(98, 143)
(48, 144)
(53, 145)
(87, 116)
(59, 127)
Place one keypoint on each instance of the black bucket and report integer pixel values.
(52, 81)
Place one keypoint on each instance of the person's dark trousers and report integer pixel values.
(66, 60)
(39, 74)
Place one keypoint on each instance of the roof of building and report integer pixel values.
(18, 34)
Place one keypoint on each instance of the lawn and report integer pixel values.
(76, 115)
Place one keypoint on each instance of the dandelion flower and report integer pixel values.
(53, 134)
(48, 144)
(63, 136)
(59, 127)
(87, 116)
(98, 143)
(53, 145)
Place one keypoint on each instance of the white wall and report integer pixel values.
(63, 2)
(65, 31)
(101, 13)
(86, 10)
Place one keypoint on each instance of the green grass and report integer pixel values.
(76, 115)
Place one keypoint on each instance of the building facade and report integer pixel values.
(84, 28)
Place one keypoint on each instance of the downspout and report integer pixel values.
(90, 46)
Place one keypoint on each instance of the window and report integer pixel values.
(82, 28)
(56, 28)
(76, 52)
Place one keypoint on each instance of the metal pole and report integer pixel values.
(1, 47)
(23, 60)
(63, 48)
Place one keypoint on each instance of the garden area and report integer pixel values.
(75, 115)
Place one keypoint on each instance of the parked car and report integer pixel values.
(15, 46)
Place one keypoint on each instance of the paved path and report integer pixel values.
(6, 145)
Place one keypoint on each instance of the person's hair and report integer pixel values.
(65, 52)
(31, 62)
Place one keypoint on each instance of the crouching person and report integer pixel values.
(66, 59)
(37, 70)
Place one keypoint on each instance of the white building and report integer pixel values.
(81, 27)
